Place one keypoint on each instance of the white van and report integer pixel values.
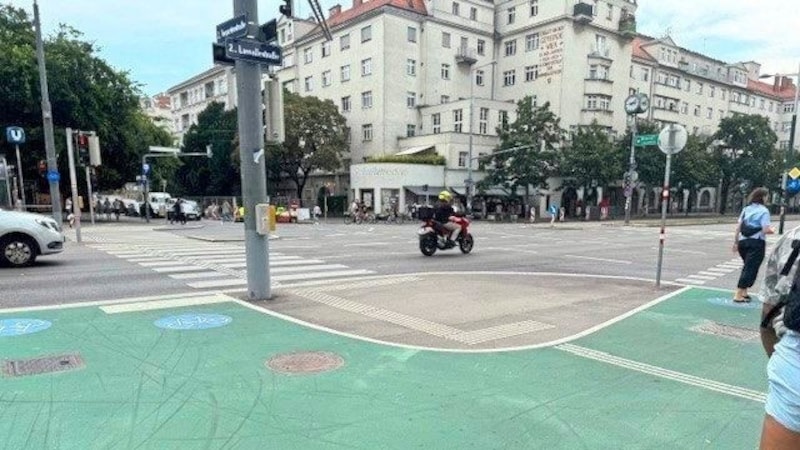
(160, 201)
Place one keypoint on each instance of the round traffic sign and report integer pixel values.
(672, 139)
(53, 175)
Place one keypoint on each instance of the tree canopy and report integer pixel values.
(591, 158)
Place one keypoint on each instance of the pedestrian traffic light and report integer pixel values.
(82, 142)
(286, 8)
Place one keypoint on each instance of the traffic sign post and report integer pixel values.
(671, 140)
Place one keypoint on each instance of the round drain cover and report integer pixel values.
(305, 362)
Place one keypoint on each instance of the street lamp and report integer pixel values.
(470, 182)
(790, 148)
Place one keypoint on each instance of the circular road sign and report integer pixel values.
(672, 139)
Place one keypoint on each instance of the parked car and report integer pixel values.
(25, 236)
(189, 207)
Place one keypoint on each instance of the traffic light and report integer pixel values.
(82, 142)
(286, 8)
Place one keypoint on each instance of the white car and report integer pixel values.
(25, 236)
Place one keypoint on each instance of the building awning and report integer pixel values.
(414, 150)
(418, 190)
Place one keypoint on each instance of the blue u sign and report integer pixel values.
(15, 135)
(793, 186)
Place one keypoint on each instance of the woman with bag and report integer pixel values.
(750, 241)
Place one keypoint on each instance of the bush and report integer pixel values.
(436, 160)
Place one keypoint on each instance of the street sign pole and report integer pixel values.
(21, 181)
(671, 140)
(73, 184)
(89, 193)
(254, 185)
(631, 168)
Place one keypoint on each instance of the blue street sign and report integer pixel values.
(253, 51)
(145, 168)
(233, 28)
(793, 186)
(53, 175)
(15, 135)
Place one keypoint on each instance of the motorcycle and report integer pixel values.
(430, 240)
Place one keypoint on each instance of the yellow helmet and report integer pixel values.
(445, 195)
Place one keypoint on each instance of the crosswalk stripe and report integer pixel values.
(178, 269)
(309, 267)
(688, 281)
(161, 263)
(700, 277)
(196, 275)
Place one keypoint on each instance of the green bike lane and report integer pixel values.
(648, 381)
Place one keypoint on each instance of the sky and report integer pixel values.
(164, 42)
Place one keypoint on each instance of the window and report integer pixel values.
(308, 55)
(455, 8)
(412, 34)
(502, 118)
(531, 72)
(534, 101)
(479, 77)
(366, 67)
(346, 104)
(598, 102)
(366, 132)
(462, 159)
(687, 84)
(697, 110)
(531, 42)
(444, 99)
(512, 14)
(610, 12)
(326, 78)
(436, 120)
(464, 43)
(710, 113)
(445, 71)
(458, 119)
(309, 84)
(366, 33)
(711, 91)
(411, 67)
(326, 49)
(509, 77)
(511, 47)
(645, 74)
(411, 99)
(345, 73)
(784, 145)
(600, 44)
(366, 100)
(473, 13)
(344, 42)
(411, 130)
(483, 121)
(445, 40)
(788, 107)
(481, 46)
(534, 8)
(721, 114)
(699, 88)
(598, 72)
(684, 108)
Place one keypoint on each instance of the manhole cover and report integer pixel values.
(45, 364)
(727, 331)
(305, 362)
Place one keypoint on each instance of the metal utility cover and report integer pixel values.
(41, 365)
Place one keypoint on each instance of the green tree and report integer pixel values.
(747, 155)
(591, 159)
(85, 92)
(532, 156)
(694, 167)
(217, 176)
(316, 138)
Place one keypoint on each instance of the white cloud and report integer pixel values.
(766, 31)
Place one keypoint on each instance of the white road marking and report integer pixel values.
(197, 275)
(368, 244)
(279, 278)
(710, 274)
(178, 269)
(675, 250)
(688, 281)
(701, 277)
(164, 304)
(308, 267)
(616, 261)
(161, 263)
(722, 270)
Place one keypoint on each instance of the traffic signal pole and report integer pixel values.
(251, 149)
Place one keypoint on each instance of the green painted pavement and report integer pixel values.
(144, 387)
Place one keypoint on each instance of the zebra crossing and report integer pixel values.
(712, 273)
(211, 265)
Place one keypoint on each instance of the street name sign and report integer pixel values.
(253, 51)
(233, 28)
(644, 140)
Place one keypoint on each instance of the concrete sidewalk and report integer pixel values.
(681, 370)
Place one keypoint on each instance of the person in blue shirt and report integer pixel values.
(751, 247)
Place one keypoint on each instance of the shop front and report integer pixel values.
(386, 186)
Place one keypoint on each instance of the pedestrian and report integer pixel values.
(117, 208)
(533, 214)
(107, 209)
(182, 211)
(553, 211)
(176, 211)
(226, 211)
(317, 213)
(780, 337)
(749, 241)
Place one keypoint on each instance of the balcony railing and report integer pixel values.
(466, 55)
(627, 26)
(582, 12)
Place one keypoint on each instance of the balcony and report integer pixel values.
(466, 56)
(598, 86)
(627, 26)
(600, 53)
(582, 13)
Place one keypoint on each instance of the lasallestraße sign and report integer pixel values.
(233, 28)
(253, 51)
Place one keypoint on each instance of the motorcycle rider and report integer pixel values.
(442, 214)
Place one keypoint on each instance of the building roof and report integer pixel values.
(639, 52)
(785, 91)
(208, 73)
(362, 7)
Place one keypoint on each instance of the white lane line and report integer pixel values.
(295, 262)
(150, 259)
(218, 283)
(688, 281)
(685, 378)
(720, 270)
(164, 304)
(196, 275)
(616, 261)
(161, 263)
(179, 269)
(305, 268)
(701, 277)
(710, 274)
(313, 275)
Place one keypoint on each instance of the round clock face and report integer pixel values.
(631, 104)
(644, 103)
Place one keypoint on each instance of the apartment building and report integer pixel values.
(159, 109)
(191, 97)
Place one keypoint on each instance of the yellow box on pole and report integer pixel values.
(272, 218)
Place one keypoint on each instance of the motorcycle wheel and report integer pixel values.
(427, 245)
(466, 244)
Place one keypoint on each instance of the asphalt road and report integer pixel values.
(132, 260)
